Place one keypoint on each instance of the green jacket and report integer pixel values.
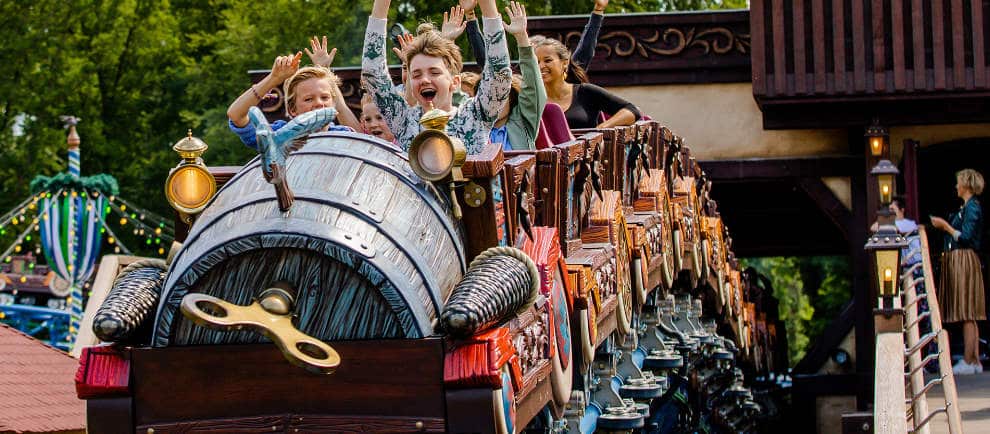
(524, 119)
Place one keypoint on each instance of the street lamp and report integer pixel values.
(885, 171)
(885, 247)
(876, 138)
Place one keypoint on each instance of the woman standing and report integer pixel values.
(961, 290)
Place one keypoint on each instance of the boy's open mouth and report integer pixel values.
(428, 94)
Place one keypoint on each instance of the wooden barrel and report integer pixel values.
(371, 249)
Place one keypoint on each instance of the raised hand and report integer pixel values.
(517, 20)
(320, 56)
(285, 66)
(600, 5)
(453, 23)
(399, 51)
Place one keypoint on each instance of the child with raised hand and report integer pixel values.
(519, 121)
(321, 56)
(434, 65)
(306, 89)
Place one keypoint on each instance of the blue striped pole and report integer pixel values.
(76, 294)
(73, 142)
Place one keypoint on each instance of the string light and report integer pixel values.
(24, 279)
(110, 240)
(123, 207)
(161, 250)
(123, 221)
(17, 248)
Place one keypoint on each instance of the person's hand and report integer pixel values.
(468, 5)
(399, 51)
(285, 66)
(320, 56)
(600, 5)
(517, 19)
(453, 23)
(940, 223)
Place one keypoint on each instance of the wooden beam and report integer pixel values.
(833, 208)
(821, 349)
(799, 167)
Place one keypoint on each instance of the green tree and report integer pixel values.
(795, 307)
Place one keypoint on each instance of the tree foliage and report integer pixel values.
(139, 73)
(811, 292)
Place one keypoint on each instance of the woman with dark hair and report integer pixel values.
(566, 84)
(961, 291)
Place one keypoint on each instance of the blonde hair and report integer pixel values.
(471, 79)
(971, 179)
(424, 27)
(432, 44)
(304, 74)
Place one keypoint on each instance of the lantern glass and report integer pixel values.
(876, 146)
(887, 261)
(886, 188)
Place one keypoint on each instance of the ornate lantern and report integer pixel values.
(190, 185)
(876, 138)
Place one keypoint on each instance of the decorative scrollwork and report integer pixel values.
(671, 41)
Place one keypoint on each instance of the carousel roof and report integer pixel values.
(39, 394)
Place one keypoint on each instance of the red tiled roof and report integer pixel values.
(37, 389)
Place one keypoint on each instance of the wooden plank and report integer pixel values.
(979, 65)
(818, 38)
(830, 205)
(859, 45)
(757, 45)
(800, 65)
(938, 44)
(944, 357)
(839, 45)
(779, 49)
(780, 167)
(918, 45)
(879, 51)
(248, 380)
(958, 46)
(897, 40)
(888, 399)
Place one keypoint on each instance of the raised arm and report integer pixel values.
(496, 78)
(374, 70)
(475, 39)
(532, 95)
(585, 50)
(282, 69)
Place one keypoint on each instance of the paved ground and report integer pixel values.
(974, 404)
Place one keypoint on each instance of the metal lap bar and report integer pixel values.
(930, 416)
(917, 320)
(921, 344)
